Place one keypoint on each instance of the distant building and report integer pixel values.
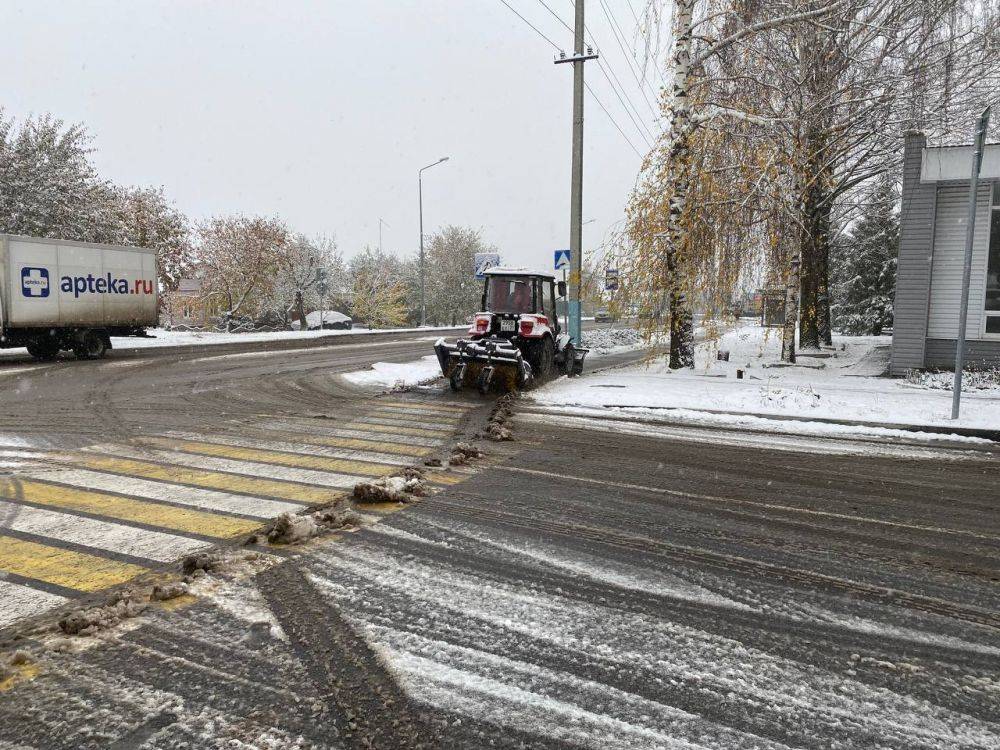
(933, 224)
(185, 306)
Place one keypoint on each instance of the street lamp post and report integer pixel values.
(420, 194)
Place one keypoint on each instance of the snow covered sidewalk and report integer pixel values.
(839, 386)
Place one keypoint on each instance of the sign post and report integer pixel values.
(322, 287)
(561, 262)
(970, 231)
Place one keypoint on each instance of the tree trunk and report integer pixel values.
(823, 291)
(791, 311)
(809, 301)
(300, 309)
(681, 322)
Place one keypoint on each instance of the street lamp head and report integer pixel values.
(443, 158)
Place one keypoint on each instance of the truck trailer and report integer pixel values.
(62, 295)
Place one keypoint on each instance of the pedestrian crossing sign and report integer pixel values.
(562, 260)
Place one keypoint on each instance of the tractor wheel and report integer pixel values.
(43, 349)
(91, 346)
(542, 357)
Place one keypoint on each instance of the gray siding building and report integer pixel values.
(932, 253)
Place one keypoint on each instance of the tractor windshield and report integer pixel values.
(509, 294)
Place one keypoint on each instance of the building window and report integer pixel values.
(993, 268)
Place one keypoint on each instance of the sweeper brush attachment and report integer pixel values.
(492, 363)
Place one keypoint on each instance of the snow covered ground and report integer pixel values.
(397, 374)
(846, 385)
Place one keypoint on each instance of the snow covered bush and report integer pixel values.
(942, 380)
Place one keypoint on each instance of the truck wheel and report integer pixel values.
(91, 346)
(44, 349)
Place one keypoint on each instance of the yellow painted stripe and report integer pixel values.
(161, 515)
(398, 430)
(447, 408)
(441, 477)
(353, 443)
(74, 570)
(22, 673)
(260, 455)
(215, 480)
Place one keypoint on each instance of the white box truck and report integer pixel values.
(59, 294)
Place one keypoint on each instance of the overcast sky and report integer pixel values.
(322, 112)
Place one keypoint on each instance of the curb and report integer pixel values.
(987, 434)
(274, 344)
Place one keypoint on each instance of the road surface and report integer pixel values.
(581, 586)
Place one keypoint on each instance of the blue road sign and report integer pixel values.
(562, 260)
(484, 262)
(611, 279)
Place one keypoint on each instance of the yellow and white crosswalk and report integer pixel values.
(81, 521)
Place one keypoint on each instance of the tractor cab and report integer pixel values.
(516, 337)
(518, 303)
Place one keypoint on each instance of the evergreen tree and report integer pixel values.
(864, 265)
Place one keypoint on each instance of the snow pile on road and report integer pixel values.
(611, 340)
(833, 385)
(402, 489)
(396, 374)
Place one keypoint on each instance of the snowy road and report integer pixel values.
(586, 588)
(111, 470)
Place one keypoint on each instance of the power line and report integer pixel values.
(638, 24)
(587, 85)
(625, 106)
(599, 104)
(556, 16)
(615, 30)
(619, 92)
(535, 28)
(620, 85)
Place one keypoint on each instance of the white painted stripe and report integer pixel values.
(231, 466)
(211, 500)
(302, 449)
(29, 368)
(382, 437)
(25, 453)
(101, 535)
(409, 415)
(428, 423)
(418, 413)
(20, 602)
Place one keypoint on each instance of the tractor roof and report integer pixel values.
(518, 271)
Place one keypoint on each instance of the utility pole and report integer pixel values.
(420, 194)
(970, 232)
(580, 56)
(380, 223)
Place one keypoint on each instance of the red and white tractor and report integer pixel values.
(516, 339)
